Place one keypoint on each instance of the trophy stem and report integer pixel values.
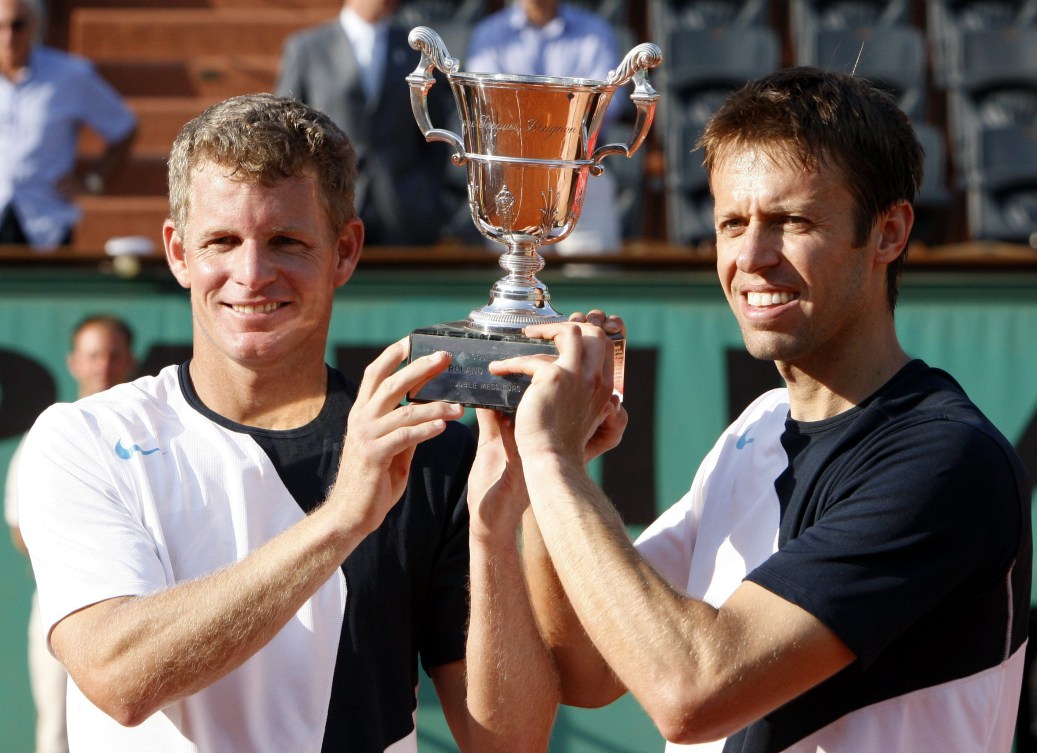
(518, 299)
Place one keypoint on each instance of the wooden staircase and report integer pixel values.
(170, 63)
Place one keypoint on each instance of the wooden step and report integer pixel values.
(133, 34)
(107, 217)
(330, 7)
(159, 120)
(140, 176)
(213, 76)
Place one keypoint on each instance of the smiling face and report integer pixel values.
(802, 292)
(262, 264)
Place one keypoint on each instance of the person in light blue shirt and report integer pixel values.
(46, 97)
(548, 38)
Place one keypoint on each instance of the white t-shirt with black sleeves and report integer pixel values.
(141, 487)
(904, 526)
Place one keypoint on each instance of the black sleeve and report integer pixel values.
(927, 512)
(444, 614)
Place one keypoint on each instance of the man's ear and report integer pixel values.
(175, 255)
(350, 243)
(894, 231)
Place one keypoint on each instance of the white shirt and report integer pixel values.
(134, 491)
(40, 119)
(369, 42)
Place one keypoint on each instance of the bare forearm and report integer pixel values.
(643, 629)
(700, 672)
(586, 680)
(134, 656)
(513, 689)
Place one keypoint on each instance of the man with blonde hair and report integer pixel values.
(249, 553)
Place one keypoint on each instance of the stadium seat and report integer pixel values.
(703, 67)
(893, 58)
(1002, 190)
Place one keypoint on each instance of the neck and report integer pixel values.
(367, 16)
(276, 399)
(13, 73)
(837, 382)
(540, 13)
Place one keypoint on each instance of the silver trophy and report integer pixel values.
(529, 145)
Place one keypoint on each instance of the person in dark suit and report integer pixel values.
(354, 68)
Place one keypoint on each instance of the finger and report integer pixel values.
(548, 331)
(489, 425)
(376, 371)
(519, 364)
(417, 387)
(402, 430)
(413, 415)
(608, 434)
(582, 348)
(615, 325)
(390, 391)
(497, 427)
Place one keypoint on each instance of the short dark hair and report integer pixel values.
(818, 117)
(263, 138)
(109, 322)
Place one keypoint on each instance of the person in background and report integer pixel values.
(46, 97)
(550, 38)
(248, 553)
(354, 68)
(850, 570)
(101, 356)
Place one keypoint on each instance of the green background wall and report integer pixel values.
(981, 327)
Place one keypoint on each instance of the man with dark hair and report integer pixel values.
(100, 356)
(850, 570)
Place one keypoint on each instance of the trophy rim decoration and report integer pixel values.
(520, 299)
(529, 79)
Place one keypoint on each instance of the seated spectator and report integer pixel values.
(547, 38)
(46, 96)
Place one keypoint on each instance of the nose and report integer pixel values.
(253, 268)
(758, 248)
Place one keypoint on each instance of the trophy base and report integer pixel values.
(468, 380)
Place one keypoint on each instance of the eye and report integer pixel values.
(731, 226)
(220, 241)
(287, 242)
(797, 221)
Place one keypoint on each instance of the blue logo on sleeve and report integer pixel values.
(125, 454)
(744, 440)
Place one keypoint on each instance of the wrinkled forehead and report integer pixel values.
(783, 154)
(775, 152)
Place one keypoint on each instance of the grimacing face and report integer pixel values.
(799, 288)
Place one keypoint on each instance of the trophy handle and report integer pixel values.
(634, 67)
(434, 54)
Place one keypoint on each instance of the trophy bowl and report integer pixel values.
(529, 144)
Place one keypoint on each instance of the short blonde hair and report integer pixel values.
(263, 139)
